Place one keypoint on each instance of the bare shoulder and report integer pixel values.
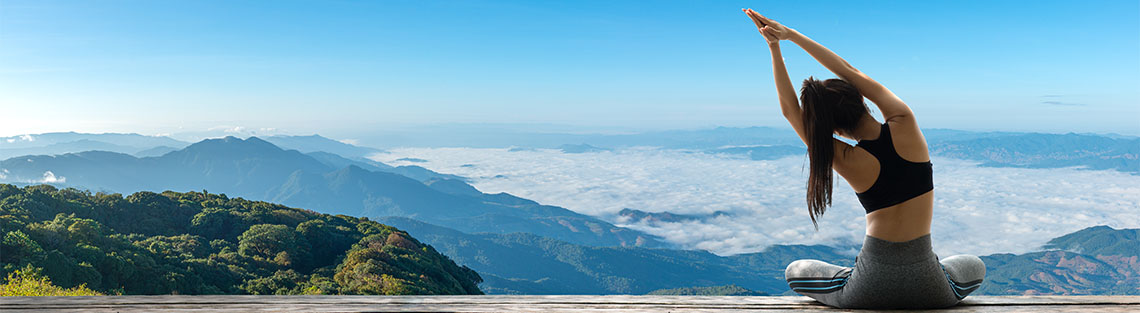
(857, 166)
(908, 138)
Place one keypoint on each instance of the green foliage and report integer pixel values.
(202, 243)
(29, 282)
(276, 243)
(16, 246)
(398, 264)
(726, 290)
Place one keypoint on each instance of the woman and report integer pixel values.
(890, 171)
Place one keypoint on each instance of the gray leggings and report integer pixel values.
(889, 275)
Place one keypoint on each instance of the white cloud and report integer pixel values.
(978, 210)
(50, 178)
(355, 142)
(3, 173)
(24, 137)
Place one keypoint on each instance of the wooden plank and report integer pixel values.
(560, 303)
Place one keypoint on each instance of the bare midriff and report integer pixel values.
(904, 221)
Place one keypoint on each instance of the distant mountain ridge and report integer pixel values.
(256, 169)
(315, 143)
(121, 139)
(631, 216)
(144, 146)
(581, 148)
(998, 149)
(61, 143)
(1046, 151)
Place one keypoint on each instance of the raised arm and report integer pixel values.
(789, 104)
(889, 104)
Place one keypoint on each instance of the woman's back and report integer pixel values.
(899, 222)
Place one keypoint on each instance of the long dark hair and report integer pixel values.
(829, 105)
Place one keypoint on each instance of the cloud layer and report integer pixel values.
(978, 210)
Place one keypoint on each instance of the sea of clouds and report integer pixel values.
(978, 210)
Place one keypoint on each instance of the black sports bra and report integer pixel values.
(899, 180)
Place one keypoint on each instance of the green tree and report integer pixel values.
(17, 247)
(277, 243)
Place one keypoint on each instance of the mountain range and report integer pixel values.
(61, 143)
(998, 149)
(632, 216)
(258, 170)
(1046, 151)
(144, 146)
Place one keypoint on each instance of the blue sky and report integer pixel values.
(338, 67)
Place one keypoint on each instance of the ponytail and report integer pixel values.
(819, 125)
(827, 106)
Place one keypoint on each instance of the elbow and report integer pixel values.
(851, 69)
(850, 73)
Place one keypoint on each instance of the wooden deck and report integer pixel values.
(528, 303)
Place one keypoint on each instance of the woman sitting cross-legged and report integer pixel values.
(891, 173)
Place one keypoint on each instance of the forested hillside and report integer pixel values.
(202, 243)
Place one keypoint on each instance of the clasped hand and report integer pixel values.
(773, 31)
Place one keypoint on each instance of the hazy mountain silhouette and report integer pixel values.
(156, 151)
(1046, 151)
(764, 152)
(130, 140)
(313, 143)
(1000, 149)
(581, 148)
(631, 216)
